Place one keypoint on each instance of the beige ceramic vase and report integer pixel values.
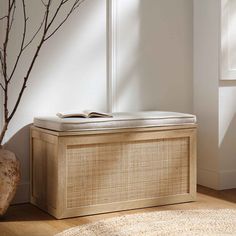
(9, 178)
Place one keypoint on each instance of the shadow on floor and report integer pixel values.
(226, 195)
(25, 212)
(28, 212)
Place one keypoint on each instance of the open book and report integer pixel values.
(83, 114)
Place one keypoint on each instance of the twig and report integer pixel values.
(55, 15)
(12, 4)
(1, 85)
(44, 3)
(3, 17)
(25, 81)
(47, 15)
(36, 33)
(22, 41)
(65, 1)
(75, 5)
(78, 4)
(6, 42)
(13, 14)
(1, 60)
(47, 33)
(30, 68)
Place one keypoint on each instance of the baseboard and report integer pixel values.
(22, 194)
(208, 178)
(227, 179)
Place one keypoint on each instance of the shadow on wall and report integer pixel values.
(19, 144)
(62, 78)
(75, 44)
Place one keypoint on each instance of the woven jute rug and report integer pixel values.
(188, 222)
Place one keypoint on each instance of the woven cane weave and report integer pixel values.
(116, 172)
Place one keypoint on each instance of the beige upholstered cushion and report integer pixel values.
(119, 121)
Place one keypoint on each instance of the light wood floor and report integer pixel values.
(27, 220)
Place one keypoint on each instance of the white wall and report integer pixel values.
(154, 55)
(206, 64)
(227, 96)
(154, 60)
(227, 134)
(2, 10)
(214, 100)
(70, 73)
(154, 71)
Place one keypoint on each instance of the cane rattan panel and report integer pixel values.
(117, 172)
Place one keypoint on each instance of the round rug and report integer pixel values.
(186, 222)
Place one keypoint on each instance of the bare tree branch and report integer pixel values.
(55, 14)
(2, 63)
(6, 42)
(12, 4)
(30, 67)
(25, 81)
(3, 17)
(1, 85)
(5, 75)
(13, 14)
(35, 34)
(1, 73)
(47, 15)
(22, 41)
(76, 4)
(65, 1)
(44, 3)
(47, 32)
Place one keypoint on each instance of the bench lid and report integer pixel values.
(120, 120)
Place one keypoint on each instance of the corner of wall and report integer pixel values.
(22, 194)
(206, 92)
(227, 179)
(208, 178)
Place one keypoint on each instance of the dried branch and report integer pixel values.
(3, 17)
(44, 3)
(5, 75)
(22, 41)
(6, 42)
(65, 1)
(2, 62)
(11, 4)
(35, 34)
(55, 15)
(13, 14)
(76, 4)
(1, 85)
(47, 32)
(25, 81)
(32, 64)
(47, 15)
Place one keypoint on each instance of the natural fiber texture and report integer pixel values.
(189, 222)
(119, 172)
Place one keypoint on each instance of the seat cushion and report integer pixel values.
(120, 120)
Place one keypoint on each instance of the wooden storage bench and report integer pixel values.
(89, 166)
